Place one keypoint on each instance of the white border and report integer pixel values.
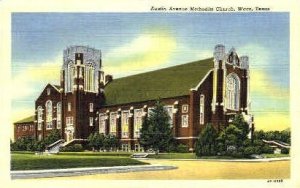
(8, 6)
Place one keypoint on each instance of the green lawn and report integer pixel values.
(30, 161)
(193, 156)
(185, 156)
(275, 155)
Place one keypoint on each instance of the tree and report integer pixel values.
(52, 137)
(110, 142)
(241, 124)
(156, 132)
(234, 138)
(206, 143)
(96, 140)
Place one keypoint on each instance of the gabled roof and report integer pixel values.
(26, 120)
(164, 83)
(57, 87)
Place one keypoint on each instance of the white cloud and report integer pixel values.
(34, 76)
(259, 56)
(145, 52)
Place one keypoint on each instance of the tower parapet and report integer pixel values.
(219, 53)
(89, 54)
(81, 69)
(244, 62)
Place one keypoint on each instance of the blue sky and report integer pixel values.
(137, 42)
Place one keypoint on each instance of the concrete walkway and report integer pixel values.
(28, 174)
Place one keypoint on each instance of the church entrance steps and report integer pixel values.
(139, 155)
(54, 147)
(74, 141)
(30, 174)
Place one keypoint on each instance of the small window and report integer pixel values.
(91, 121)
(91, 107)
(40, 137)
(69, 106)
(69, 121)
(185, 108)
(184, 120)
(48, 91)
(202, 103)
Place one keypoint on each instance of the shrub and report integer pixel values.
(267, 149)
(73, 148)
(206, 143)
(285, 151)
(181, 148)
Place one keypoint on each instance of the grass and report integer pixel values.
(30, 161)
(185, 156)
(275, 155)
(193, 156)
(173, 156)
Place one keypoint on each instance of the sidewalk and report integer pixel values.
(28, 174)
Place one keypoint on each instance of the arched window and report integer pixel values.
(58, 115)
(125, 124)
(69, 76)
(48, 114)
(113, 123)
(89, 80)
(137, 122)
(232, 92)
(39, 117)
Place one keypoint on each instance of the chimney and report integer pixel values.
(108, 78)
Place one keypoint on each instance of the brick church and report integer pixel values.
(206, 91)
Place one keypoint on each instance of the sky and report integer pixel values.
(132, 43)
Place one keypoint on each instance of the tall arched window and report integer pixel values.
(69, 76)
(49, 114)
(89, 80)
(58, 115)
(232, 92)
(39, 117)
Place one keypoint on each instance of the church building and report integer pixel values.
(206, 91)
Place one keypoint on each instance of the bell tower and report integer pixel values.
(81, 79)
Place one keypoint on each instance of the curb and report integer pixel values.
(29, 174)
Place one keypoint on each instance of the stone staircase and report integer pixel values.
(74, 141)
(54, 147)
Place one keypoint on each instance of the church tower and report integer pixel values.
(230, 86)
(81, 79)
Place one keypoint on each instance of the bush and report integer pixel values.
(267, 149)
(206, 144)
(285, 151)
(181, 148)
(23, 144)
(249, 151)
(73, 148)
